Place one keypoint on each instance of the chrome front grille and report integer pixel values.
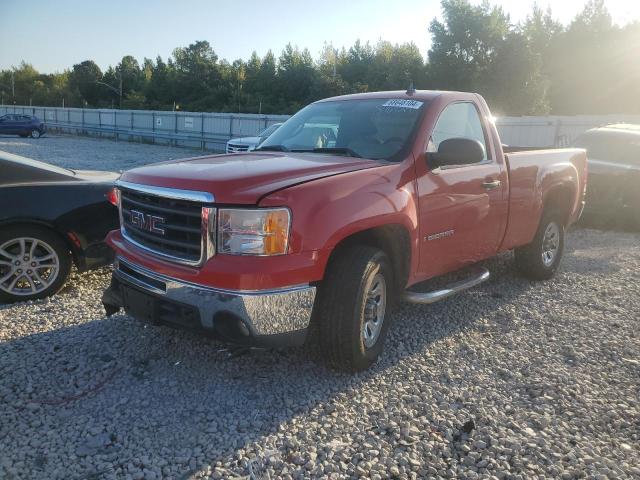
(235, 148)
(172, 224)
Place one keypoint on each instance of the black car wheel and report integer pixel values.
(35, 133)
(34, 263)
(353, 308)
(540, 259)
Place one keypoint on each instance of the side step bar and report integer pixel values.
(452, 289)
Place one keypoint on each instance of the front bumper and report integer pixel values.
(265, 317)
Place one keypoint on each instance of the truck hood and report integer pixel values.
(247, 177)
(245, 141)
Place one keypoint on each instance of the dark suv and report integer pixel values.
(613, 153)
(23, 125)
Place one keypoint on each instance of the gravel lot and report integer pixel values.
(513, 379)
(91, 153)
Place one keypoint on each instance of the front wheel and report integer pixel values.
(35, 133)
(34, 263)
(540, 259)
(353, 304)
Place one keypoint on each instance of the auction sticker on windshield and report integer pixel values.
(400, 103)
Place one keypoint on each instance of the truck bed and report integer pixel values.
(534, 175)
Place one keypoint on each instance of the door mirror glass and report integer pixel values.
(457, 151)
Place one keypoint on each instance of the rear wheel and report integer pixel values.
(34, 263)
(35, 133)
(353, 308)
(540, 259)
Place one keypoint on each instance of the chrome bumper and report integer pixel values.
(263, 312)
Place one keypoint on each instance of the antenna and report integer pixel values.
(411, 90)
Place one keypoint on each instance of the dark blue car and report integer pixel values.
(23, 125)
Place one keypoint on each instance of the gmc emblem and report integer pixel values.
(146, 221)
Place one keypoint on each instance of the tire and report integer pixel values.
(348, 302)
(16, 283)
(35, 133)
(540, 260)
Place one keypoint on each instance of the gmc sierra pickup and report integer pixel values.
(337, 216)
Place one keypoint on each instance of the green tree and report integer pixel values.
(465, 44)
(589, 63)
(85, 77)
(198, 75)
(296, 74)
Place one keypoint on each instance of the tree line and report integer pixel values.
(534, 67)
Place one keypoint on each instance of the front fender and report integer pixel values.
(331, 209)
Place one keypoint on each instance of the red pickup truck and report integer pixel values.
(337, 216)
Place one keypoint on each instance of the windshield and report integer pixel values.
(269, 130)
(378, 129)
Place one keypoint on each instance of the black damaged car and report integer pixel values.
(51, 217)
(613, 187)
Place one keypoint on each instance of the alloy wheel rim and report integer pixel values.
(374, 310)
(27, 266)
(550, 244)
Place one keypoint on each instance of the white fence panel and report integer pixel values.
(212, 130)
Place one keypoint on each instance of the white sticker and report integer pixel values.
(188, 122)
(158, 121)
(400, 103)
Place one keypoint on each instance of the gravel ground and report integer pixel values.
(90, 153)
(511, 380)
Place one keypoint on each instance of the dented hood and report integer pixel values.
(244, 178)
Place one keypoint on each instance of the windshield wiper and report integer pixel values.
(273, 148)
(343, 150)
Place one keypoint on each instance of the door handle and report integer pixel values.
(490, 185)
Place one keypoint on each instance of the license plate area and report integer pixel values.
(139, 305)
(159, 310)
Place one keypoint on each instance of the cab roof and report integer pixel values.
(425, 95)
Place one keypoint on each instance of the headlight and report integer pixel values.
(263, 231)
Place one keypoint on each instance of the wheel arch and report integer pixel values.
(393, 239)
(560, 198)
(76, 252)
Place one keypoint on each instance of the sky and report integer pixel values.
(54, 35)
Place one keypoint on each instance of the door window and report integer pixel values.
(458, 120)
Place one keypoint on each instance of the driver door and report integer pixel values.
(462, 207)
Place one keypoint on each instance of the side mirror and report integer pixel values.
(457, 151)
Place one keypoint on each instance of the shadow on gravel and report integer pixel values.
(595, 257)
(113, 390)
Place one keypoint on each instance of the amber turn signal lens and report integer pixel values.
(277, 232)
